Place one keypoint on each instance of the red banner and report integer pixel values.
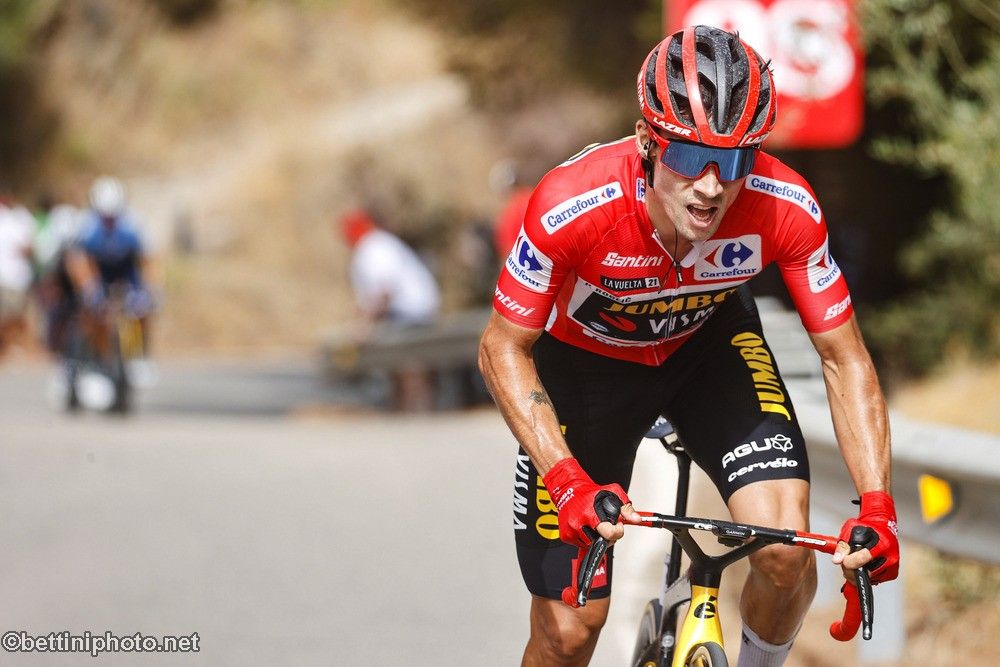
(815, 51)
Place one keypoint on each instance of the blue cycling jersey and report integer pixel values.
(117, 250)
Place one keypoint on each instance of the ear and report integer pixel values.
(642, 138)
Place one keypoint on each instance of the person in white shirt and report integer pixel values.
(17, 227)
(389, 279)
(392, 285)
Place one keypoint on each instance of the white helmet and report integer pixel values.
(107, 196)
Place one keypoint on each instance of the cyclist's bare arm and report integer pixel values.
(82, 270)
(509, 370)
(857, 406)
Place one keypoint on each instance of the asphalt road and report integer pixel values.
(244, 502)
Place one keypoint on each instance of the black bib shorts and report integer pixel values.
(722, 392)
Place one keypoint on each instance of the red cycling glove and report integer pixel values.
(878, 513)
(573, 493)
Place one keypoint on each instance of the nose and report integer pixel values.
(708, 184)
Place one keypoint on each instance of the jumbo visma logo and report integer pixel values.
(650, 320)
(765, 378)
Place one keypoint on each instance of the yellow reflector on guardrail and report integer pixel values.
(936, 499)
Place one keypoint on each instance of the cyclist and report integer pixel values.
(623, 298)
(109, 255)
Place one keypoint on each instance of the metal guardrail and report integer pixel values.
(967, 461)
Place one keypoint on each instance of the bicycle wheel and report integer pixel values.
(708, 654)
(647, 642)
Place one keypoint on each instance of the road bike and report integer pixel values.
(103, 367)
(699, 641)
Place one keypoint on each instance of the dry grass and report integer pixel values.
(263, 126)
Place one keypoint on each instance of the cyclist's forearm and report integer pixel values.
(511, 378)
(860, 421)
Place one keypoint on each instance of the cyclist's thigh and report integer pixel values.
(604, 406)
(733, 410)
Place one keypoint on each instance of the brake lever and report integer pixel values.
(859, 595)
(608, 508)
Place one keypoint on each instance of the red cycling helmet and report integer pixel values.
(707, 86)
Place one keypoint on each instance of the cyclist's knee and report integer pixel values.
(785, 567)
(567, 636)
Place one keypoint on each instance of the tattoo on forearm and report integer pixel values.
(541, 398)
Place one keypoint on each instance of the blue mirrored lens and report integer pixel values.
(690, 160)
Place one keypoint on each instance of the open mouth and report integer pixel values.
(702, 215)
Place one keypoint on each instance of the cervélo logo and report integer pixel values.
(796, 194)
(729, 258)
(566, 212)
(529, 265)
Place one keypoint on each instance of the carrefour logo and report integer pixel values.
(796, 194)
(729, 258)
(526, 257)
(566, 212)
(529, 265)
(822, 269)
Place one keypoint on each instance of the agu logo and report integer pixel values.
(529, 265)
(730, 258)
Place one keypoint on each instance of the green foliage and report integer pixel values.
(15, 30)
(942, 73)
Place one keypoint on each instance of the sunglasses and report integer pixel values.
(691, 160)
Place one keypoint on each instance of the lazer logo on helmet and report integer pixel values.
(796, 194)
(821, 269)
(729, 258)
(566, 212)
(670, 127)
(780, 442)
(529, 265)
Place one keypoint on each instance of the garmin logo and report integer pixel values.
(571, 209)
(789, 191)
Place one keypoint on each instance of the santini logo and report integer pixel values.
(638, 261)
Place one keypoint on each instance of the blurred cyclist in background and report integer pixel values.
(109, 260)
(57, 227)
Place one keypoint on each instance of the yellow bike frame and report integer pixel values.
(701, 624)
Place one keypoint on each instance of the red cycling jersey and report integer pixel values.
(589, 266)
